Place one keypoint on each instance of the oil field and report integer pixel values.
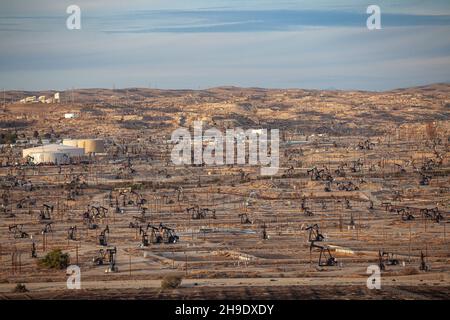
(87, 180)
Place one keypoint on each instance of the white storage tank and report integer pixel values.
(53, 153)
(89, 145)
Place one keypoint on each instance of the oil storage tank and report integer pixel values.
(53, 154)
(89, 145)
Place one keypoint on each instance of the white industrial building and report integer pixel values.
(42, 99)
(53, 153)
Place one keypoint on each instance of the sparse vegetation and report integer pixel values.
(8, 137)
(55, 259)
(171, 282)
(20, 288)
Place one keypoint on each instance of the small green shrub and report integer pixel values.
(55, 259)
(20, 288)
(171, 282)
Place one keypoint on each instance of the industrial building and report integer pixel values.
(42, 99)
(89, 145)
(53, 153)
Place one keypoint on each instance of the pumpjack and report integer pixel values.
(134, 225)
(307, 212)
(347, 186)
(322, 174)
(201, 213)
(366, 145)
(245, 177)
(168, 234)
(340, 171)
(244, 218)
(155, 235)
(98, 212)
(46, 212)
(25, 202)
(102, 238)
(17, 232)
(400, 168)
(432, 214)
(326, 259)
(72, 233)
(91, 224)
(109, 255)
(288, 173)
(314, 233)
(425, 179)
(347, 204)
(406, 214)
(89, 221)
(144, 235)
(159, 234)
(47, 228)
(138, 199)
(327, 186)
(386, 258)
(325, 256)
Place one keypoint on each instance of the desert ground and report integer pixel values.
(363, 180)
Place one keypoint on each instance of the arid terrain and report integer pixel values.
(364, 180)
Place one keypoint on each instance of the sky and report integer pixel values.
(197, 44)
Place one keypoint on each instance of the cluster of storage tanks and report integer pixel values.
(63, 153)
(89, 145)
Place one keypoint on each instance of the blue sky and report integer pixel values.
(195, 44)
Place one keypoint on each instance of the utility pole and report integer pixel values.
(409, 255)
(186, 259)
